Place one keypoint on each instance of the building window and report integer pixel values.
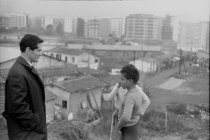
(73, 59)
(58, 56)
(64, 104)
(52, 55)
(96, 60)
(66, 58)
(125, 54)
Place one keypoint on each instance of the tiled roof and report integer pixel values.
(150, 59)
(4, 72)
(5, 53)
(49, 72)
(65, 51)
(91, 71)
(162, 57)
(84, 83)
(2, 80)
(111, 79)
(49, 95)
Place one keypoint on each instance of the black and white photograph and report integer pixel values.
(104, 69)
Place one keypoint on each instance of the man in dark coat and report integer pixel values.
(25, 110)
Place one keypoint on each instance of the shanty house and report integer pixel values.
(78, 94)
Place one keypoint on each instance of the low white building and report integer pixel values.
(76, 57)
(145, 64)
(115, 71)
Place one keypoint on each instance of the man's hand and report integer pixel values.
(118, 129)
(118, 84)
(120, 132)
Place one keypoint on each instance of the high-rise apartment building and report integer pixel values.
(69, 24)
(97, 28)
(192, 36)
(38, 22)
(4, 21)
(159, 28)
(80, 27)
(176, 21)
(207, 36)
(10, 20)
(117, 26)
(91, 28)
(167, 29)
(141, 27)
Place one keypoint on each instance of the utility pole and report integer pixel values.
(180, 63)
(134, 58)
(142, 58)
(180, 58)
(89, 60)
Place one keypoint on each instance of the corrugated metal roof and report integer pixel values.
(65, 51)
(84, 83)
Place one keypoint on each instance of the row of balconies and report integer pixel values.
(148, 34)
(137, 30)
(141, 37)
(141, 25)
(139, 21)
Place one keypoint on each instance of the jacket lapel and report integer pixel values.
(25, 63)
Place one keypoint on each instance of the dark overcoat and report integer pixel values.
(25, 103)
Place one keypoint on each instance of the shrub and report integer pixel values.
(195, 113)
(156, 121)
(179, 109)
(153, 120)
(68, 130)
(192, 136)
(203, 107)
(174, 124)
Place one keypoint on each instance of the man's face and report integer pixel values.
(124, 82)
(35, 54)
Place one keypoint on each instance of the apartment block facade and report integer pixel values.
(69, 23)
(117, 27)
(97, 28)
(167, 29)
(192, 36)
(141, 27)
(10, 20)
(4, 21)
(80, 27)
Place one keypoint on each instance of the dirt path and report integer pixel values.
(160, 77)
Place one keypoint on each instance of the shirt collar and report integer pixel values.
(133, 89)
(28, 62)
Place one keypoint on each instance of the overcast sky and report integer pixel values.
(198, 9)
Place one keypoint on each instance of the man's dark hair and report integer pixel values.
(30, 41)
(130, 72)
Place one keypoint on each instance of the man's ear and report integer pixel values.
(27, 50)
(131, 81)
